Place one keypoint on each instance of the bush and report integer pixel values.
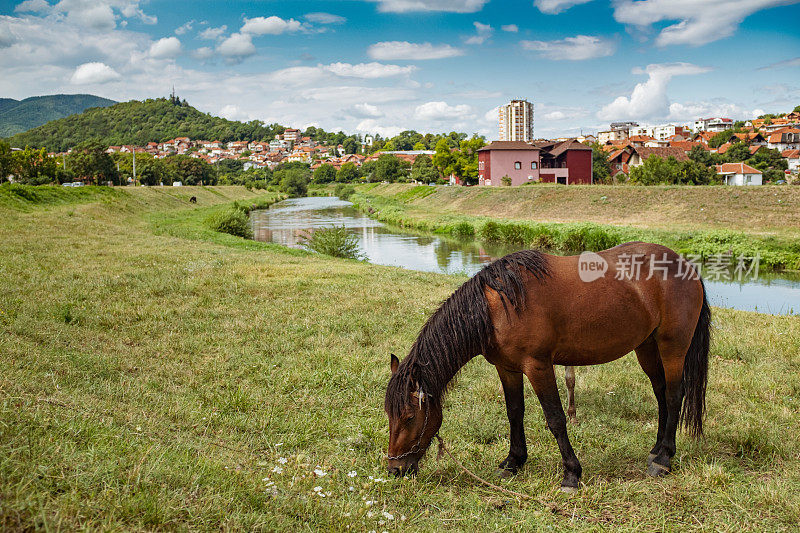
(463, 230)
(590, 238)
(233, 220)
(335, 241)
(490, 232)
(344, 192)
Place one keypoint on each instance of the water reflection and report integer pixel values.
(285, 223)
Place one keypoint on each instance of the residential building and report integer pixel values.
(714, 124)
(291, 134)
(665, 131)
(516, 121)
(785, 139)
(624, 159)
(793, 158)
(739, 174)
(567, 162)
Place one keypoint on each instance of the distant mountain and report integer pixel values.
(138, 123)
(21, 115)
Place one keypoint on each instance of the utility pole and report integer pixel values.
(134, 164)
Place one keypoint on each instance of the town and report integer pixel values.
(517, 157)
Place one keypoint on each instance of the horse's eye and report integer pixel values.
(410, 419)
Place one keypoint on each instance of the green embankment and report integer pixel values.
(156, 377)
(570, 219)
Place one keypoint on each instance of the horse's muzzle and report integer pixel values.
(409, 469)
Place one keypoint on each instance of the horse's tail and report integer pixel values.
(695, 372)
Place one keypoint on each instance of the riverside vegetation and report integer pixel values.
(158, 374)
(524, 216)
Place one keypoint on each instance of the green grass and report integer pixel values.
(154, 373)
(776, 252)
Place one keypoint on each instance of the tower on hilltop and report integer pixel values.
(516, 121)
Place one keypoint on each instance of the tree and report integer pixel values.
(655, 171)
(389, 168)
(325, 173)
(189, 170)
(444, 159)
(737, 152)
(419, 146)
(90, 161)
(796, 109)
(350, 146)
(294, 182)
(423, 169)
(348, 173)
(389, 146)
(700, 155)
(601, 168)
(6, 161)
(506, 181)
(33, 167)
(150, 171)
(694, 173)
(720, 138)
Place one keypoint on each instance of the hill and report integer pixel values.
(138, 123)
(21, 115)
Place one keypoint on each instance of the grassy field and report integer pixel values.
(154, 375)
(550, 217)
(767, 210)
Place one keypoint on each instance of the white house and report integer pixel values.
(715, 124)
(793, 158)
(739, 174)
(788, 139)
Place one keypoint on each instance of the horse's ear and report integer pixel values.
(395, 363)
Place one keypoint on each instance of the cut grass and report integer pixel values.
(155, 372)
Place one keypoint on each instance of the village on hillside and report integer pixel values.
(520, 158)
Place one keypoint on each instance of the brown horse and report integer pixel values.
(528, 311)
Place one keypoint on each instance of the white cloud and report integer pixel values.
(203, 53)
(576, 48)
(100, 14)
(400, 50)
(700, 21)
(483, 32)
(437, 111)
(365, 111)
(233, 112)
(94, 73)
(167, 47)
(237, 47)
(511, 28)
(297, 76)
(553, 7)
(693, 110)
(649, 98)
(269, 26)
(371, 125)
(212, 34)
(794, 62)
(451, 6)
(368, 70)
(32, 6)
(325, 18)
(185, 28)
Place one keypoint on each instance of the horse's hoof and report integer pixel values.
(657, 470)
(504, 473)
(568, 490)
(650, 458)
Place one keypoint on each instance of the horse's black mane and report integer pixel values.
(460, 329)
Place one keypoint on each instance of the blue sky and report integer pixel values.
(432, 65)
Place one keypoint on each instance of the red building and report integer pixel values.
(567, 162)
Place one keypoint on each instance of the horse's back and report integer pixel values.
(585, 316)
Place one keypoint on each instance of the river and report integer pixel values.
(285, 222)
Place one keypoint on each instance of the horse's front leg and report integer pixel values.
(543, 378)
(515, 408)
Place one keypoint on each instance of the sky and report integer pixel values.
(383, 66)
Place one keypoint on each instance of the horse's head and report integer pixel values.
(414, 419)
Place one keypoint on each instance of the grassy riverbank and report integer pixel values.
(154, 376)
(491, 216)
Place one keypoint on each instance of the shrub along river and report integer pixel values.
(285, 223)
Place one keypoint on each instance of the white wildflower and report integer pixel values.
(283, 460)
(352, 473)
(278, 470)
(388, 516)
(320, 472)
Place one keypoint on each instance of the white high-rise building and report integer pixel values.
(516, 121)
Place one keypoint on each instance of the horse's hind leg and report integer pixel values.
(647, 353)
(515, 408)
(543, 379)
(672, 352)
(569, 378)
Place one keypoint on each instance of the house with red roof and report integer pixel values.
(567, 162)
(739, 174)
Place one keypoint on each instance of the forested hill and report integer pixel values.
(138, 123)
(21, 115)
